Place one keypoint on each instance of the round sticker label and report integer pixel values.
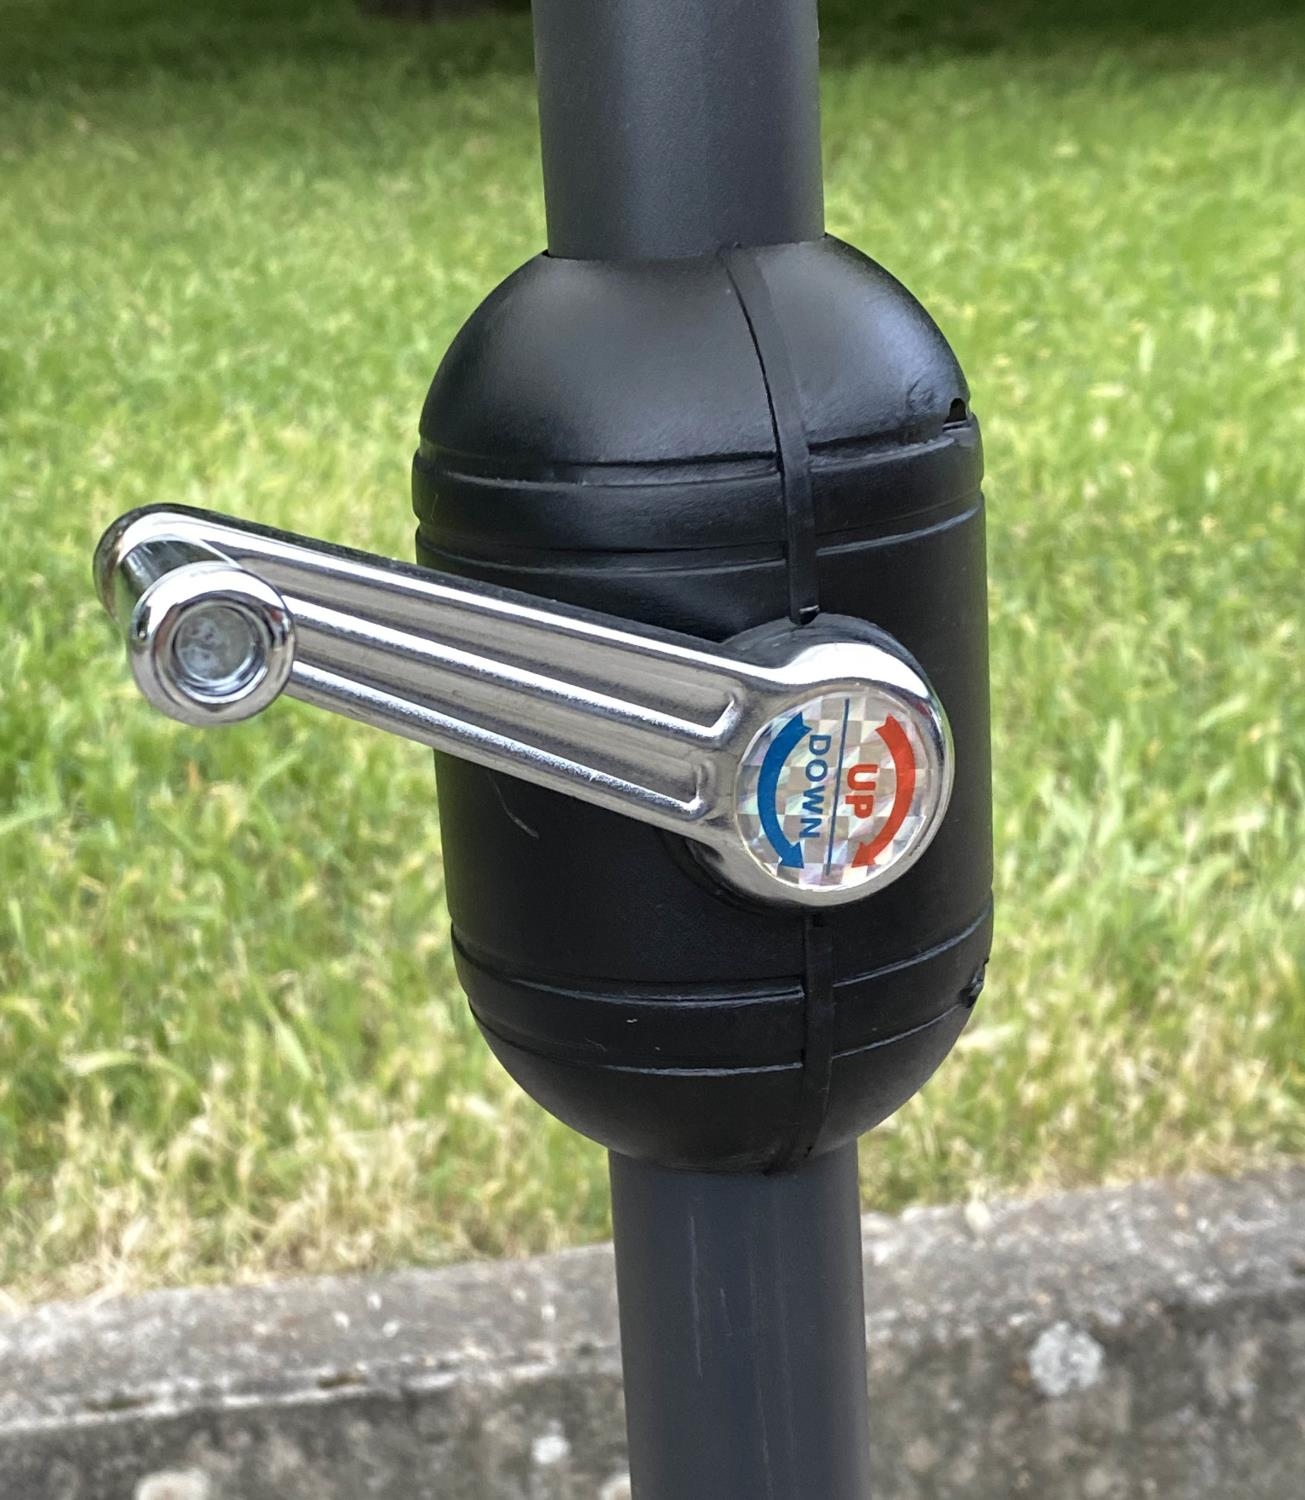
(841, 790)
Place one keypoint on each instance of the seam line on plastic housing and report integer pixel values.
(801, 554)
(792, 449)
(818, 1016)
(716, 1070)
(709, 994)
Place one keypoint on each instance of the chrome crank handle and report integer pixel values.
(810, 766)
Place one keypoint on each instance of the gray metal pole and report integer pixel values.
(672, 129)
(743, 1331)
(678, 127)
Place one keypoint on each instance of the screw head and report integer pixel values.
(218, 649)
(211, 643)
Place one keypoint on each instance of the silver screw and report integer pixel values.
(217, 650)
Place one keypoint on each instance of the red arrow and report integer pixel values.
(894, 736)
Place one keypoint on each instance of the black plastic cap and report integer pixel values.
(585, 362)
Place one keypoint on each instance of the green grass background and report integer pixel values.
(236, 240)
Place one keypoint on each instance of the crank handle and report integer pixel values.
(809, 766)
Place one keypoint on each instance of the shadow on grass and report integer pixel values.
(93, 44)
(105, 44)
(895, 29)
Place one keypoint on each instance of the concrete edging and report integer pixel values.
(1109, 1345)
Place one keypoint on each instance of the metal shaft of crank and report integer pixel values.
(743, 1331)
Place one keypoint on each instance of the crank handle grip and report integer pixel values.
(809, 766)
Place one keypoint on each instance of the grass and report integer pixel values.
(235, 245)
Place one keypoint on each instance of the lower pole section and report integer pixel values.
(743, 1331)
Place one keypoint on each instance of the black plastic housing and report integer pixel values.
(625, 436)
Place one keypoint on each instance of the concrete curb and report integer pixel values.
(1143, 1342)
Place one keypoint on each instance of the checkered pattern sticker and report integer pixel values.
(836, 791)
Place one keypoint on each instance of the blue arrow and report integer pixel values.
(772, 767)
